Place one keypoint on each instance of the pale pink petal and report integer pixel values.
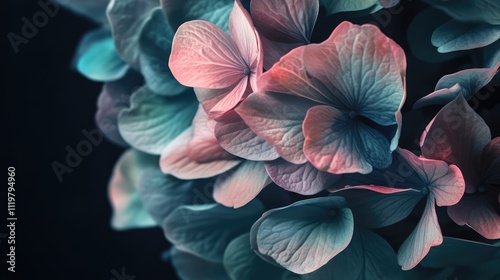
(277, 118)
(205, 56)
(246, 38)
(480, 211)
(241, 184)
(229, 101)
(424, 236)
(175, 160)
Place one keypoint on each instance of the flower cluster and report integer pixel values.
(266, 149)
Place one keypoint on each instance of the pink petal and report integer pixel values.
(246, 38)
(240, 185)
(457, 135)
(238, 139)
(424, 236)
(333, 144)
(175, 160)
(204, 56)
(229, 101)
(481, 212)
(303, 179)
(277, 118)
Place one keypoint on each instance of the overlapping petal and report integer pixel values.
(457, 35)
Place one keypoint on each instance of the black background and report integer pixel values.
(63, 229)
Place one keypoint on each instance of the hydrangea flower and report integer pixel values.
(222, 68)
(459, 136)
(335, 104)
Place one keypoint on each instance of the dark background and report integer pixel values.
(63, 229)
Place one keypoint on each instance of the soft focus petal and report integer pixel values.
(241, 262)
(424, 236)
(304, 236)
(368, 257)
(205, 56)
(161, 194)
(126, 18)
(481, 212)
(457, 35)
(114, 98)
(465, 82)
(303, 179)
(388, 3)
(337, 6)
(453, 250)
(284, 25)
(155, 43)
(457, 135)
(184, 263)
(376, 206)
(95, 10)
(239, 186)
(479, 10)
(128, 210)
(97, 58)
(206, 230)
(238, 139)
(153, 121)
(337, 145)
(278, 119)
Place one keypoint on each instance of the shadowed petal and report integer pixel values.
(303, 179)
(214, 11)
(240, 185)
(388, 3)
(480, 10)
(206, 230)
(457, 135)
(481, 212)
(491, 163)
(95, 10)
(278, 119)
(184, 262)
(304, 236)
(338, 6)
(155, 44)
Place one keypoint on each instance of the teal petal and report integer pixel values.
(153, 121)
(155, 44)
(304, 236)
(368, 257)
(206, 230)
(95, 9)
(97, 58)
(214, 11)
(191, 267)
(338, 6)
(128, 210)
(126, 18)
(241, 262)
(455, 251)
(465, 10)
(457, 35)
(161, 193)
